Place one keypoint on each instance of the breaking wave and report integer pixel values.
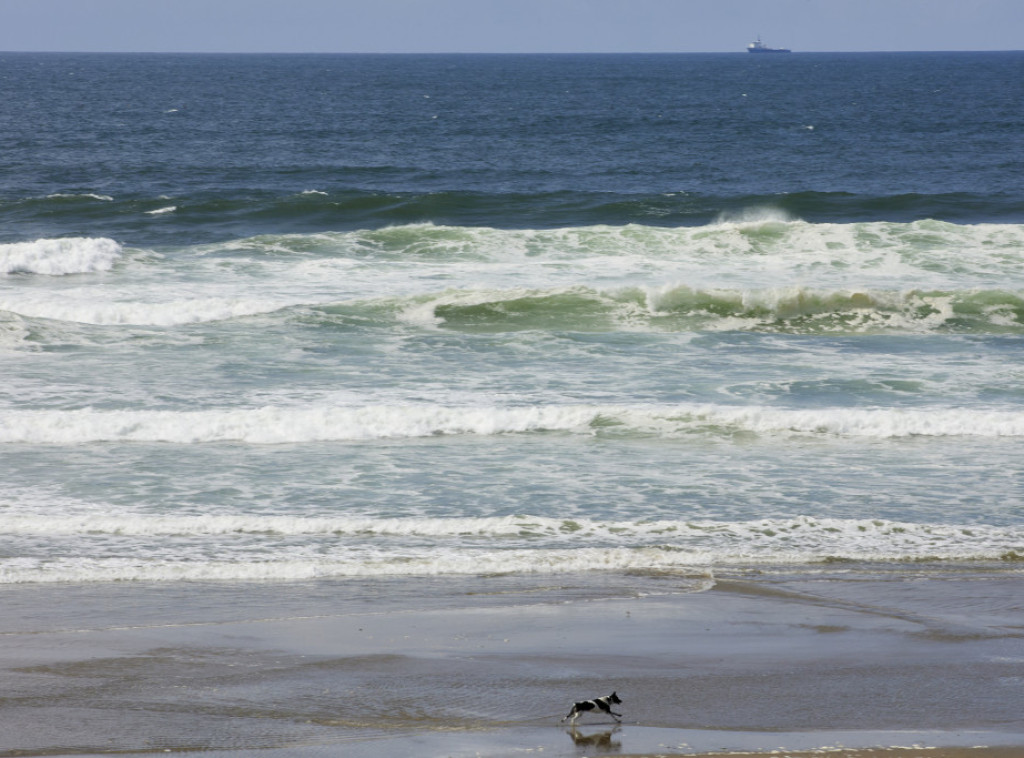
(59, 257)
(674, 308)
(783, 275)
(285, 425)
(314, 210)
(239, 547)
(796, 310)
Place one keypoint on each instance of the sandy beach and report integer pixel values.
(847, 663)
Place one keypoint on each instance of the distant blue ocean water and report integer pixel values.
(292, 317)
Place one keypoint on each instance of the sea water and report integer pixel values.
(298, 317)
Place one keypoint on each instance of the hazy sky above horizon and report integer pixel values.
(507, 25)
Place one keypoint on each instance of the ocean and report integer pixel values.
(386, 405)
(327, 317)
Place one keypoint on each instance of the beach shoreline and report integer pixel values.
(843, 663)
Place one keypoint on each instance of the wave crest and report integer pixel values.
(797, 310)
(236, 547)
(59, 257)
(283, 425)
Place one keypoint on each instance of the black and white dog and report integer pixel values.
(603, 704)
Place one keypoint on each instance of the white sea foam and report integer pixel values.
(83, 196)
(754, 216)
(58, 257)
(801, 532)
(756, 253)
(428, 563)
(269, 547)
(13, 331)
(732, 275)
(279, 425)
(759, 231)
(271, 425)
(112, 312)
(343, 292)
(162, 211)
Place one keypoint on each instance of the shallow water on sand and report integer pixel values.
(384, 666)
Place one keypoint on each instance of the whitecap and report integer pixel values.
(82, 196)
(285, 425)
(59, 257)
(170, 313)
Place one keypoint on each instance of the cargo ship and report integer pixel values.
(757, 46)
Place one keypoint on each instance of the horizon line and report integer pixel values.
(738, 51)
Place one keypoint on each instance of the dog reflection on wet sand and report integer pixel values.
(600, 741)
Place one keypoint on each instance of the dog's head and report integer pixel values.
(614, 698)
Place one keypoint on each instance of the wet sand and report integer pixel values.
(853, 662)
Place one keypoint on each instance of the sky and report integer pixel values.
(507, 26)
